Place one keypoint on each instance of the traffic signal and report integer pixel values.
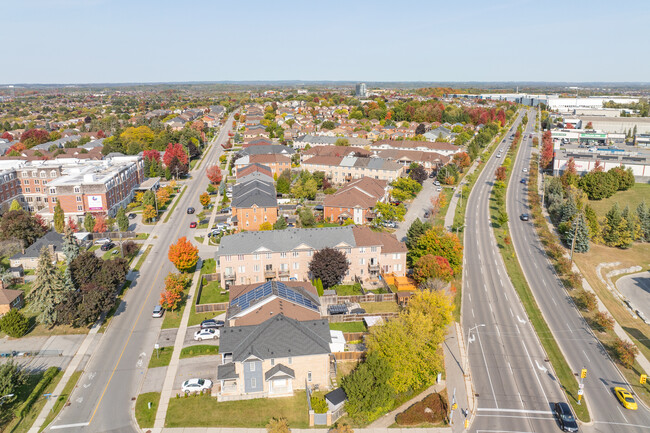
(583, 373)
(643, 379)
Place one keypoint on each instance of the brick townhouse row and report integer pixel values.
(99, 187)
(253, 257)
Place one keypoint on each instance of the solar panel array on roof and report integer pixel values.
(337, 309)
(244, 301)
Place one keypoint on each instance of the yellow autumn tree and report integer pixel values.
(183, 254)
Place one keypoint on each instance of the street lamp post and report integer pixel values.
(467, 345)
(5, 396)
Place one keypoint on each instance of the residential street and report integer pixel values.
(417, 207)
(115, 372)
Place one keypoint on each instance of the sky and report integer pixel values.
(126, 41)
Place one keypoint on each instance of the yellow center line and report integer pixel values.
(130, 334)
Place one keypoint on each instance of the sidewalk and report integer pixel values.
(178, 346)
(299, 430)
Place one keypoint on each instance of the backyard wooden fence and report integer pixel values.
(370, 297)
(338, 318)
(348, 356)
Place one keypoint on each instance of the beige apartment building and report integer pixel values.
(253, 257)
(341, 169)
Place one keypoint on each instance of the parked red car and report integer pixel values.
(193, 225)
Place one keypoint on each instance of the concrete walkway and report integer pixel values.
(168, 386)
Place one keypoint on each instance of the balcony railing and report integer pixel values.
(283, 273)
(269, 273)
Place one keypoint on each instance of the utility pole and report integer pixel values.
(575, 233)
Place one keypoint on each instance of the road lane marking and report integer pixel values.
(478, 335)
(621, 412)
(510, 367)
(498, 333)
(473, 313)
(553, 299)
(493, 409)
(570, 330)
(588, 360)
(505, 295)
(518, 331)
(490, 305)
(520, 319)
(535, 374)
(470, 297)
(541, 367)
(79, 424)
(622, 424)
(511, 313)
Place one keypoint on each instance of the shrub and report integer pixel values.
(278, 425)
(573, 280)
(585, 301)
(563, 266)
(50, 373)
(318, 404)
(624, 352)
(14, 324)
(602, 321)
(130, 248)
(418, 414)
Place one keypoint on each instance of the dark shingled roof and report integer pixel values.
(34, 250)
(279, 371)
(226, 371)
(278, 337)
(336, 397)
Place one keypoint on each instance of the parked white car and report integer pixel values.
(206, 334)
(196, 385)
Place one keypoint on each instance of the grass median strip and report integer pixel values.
(142, 258)
(161, 357)
(170, 211)
(567, 379)
(145, 415)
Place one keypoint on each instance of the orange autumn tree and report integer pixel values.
(171, 297)
(100, 224)
(204, 199)
(183, 254)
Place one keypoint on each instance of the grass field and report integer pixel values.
(380, 307)
(199, 350)
(205, 411)
(349, 326)
(347, 289)
(209, 266)
(211, 294)
(143, 414)
(632, 197)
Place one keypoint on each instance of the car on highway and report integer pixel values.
(206, 334)
(524, 217)
(565, 417)
(193, 225)
(196, 385)
(625, 398)
(132, 216)
(107, 246)
(212, 324)
(436, 182)
(157, 311)
(432, 175)
(498, 155)
(190, 210)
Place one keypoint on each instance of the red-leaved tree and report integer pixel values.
(100, 224)
(547, 149)
(462, 159)
(500, 173)
(214, 174)
(32, 137)
(152, 155)
(175, 150)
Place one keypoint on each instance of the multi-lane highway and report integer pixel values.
(102, 401)
(515, 385)
(579, 345)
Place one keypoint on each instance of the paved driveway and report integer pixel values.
(636, 288)
(417, 207)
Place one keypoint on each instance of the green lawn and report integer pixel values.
(439, 219)
(162, 358)
(347, 289)
(205, 411)
(211, 294)
(174, 205)
(349, 326)
(172, 319)
(143, 414)
(209, 266)
(199, 350)
(632, 197)
(62, 398)
(380, 307)
(142, 258)
(8, 423)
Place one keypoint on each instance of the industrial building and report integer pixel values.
(636, 158)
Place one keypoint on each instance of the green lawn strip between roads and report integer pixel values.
(161, 357)
(199, 350)
(439, 219)
(170, 211)
(205, 153)
(145, 416)
(568, 381)
(62, 398)
(206, 411)
(142, 258)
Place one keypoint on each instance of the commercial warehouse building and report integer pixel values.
(638, 159)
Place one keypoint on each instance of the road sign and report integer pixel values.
(583, 373)
(643, 378)
(581, 391)
(581, 385)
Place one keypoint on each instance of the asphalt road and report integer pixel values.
(102, 402)
(636, 288)
(514, 384)
(417, 207)
(577, 342)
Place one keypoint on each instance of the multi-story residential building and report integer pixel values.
(333, 151)
(254, 202)
(276, 162)
(9, 188)
(95, 186)
(254, 257)
(429, 160)
(273, 358)
(322, 140)
(355, 200)
(442, 148)
(344, 169)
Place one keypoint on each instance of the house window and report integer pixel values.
(52, 190)
(362, 261)
(283, 255)
(295, 253)
(256, 268)
(373, 249)
(25, 174)
(53, 173)
(34, 174)
(362, 250)
(289, 360)
(398, 267)
(396, 256)
(241, 269)
(253, 383)
(309, 376)
(256, 256)
(37, 182)
(26, 182)
(28, 190)
(272, 362)
(43, 174)
(38, 190)
(296, 265)
(77, 189)
(252, 366)
(240, 257)
(80, 208)
(268, 255)
(78, 198)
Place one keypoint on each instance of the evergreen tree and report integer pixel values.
(594, 225)
(568, 209)
(643, 214)
(611, 235)
(280, 223)
(122, 220)
(581, 230)
(47, 290)
(633, 226)
(417, 229)
(59, 218)
(70, 246)
(15, 205)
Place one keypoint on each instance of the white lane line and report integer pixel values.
(530, 360)
(511, 372)
(544, 282)
(493, 409)
(79, 424)
(553, 299)
(588, 360)
(490, 305)
(534, 263)
(498, 333)
(569, 328)
(518, 331)
(473, 313)
(617, 423)
(496, 402)
(621, 412)
(485, 287)
(505, 295)
(511, 313)
(470, 297)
